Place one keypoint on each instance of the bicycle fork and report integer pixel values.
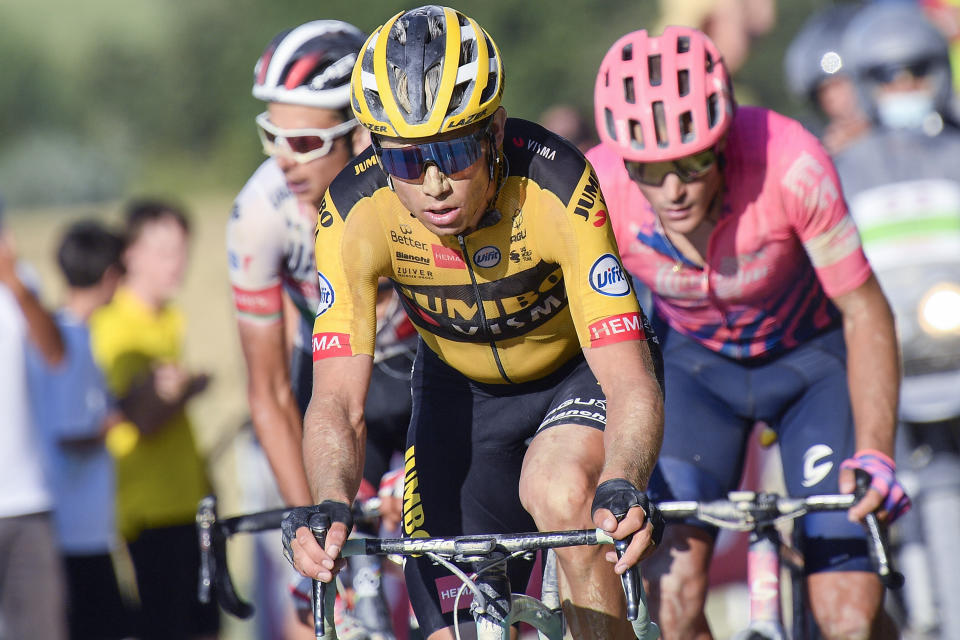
(763, 580)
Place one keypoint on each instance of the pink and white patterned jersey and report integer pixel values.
(784, 244)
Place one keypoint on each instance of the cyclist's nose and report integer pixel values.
(435, 183)
(673, 187)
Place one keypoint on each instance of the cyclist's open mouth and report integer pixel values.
(441, 217)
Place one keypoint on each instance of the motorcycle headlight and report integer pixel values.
(939, 310)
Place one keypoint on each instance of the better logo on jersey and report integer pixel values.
(327, 295)
(608, 277)
(488, 256)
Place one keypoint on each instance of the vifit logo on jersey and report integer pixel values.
(608, 277)
(327, 295)
(486, 257)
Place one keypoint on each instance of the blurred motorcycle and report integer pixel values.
(911, 234)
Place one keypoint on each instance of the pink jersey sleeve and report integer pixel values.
(814, 203)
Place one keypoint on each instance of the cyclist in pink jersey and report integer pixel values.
(767, 310)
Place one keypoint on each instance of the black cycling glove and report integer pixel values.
(297, 517)
(619, 496)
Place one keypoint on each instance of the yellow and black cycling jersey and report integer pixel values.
(509, 302)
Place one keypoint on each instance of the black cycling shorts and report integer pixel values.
(465, 450)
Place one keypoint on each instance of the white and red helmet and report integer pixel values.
(309, 65)
(662, 98)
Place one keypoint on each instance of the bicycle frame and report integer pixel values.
(759, 514)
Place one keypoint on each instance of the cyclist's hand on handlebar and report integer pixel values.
(302, 550)
(621, 509)
(885, 496)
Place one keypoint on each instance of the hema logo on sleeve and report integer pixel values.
(326, 294)
(488, 256)
(608, 277)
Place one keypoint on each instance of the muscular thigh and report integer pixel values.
(705, 423)
(816, 434)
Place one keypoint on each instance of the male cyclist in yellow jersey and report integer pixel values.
(535, 397)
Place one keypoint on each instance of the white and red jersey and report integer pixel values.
(270, 248)
(783, 245)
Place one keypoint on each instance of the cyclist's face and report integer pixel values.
(309, 181)
(683, 206)
(449, 204)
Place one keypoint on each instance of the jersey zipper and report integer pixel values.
(483, 314)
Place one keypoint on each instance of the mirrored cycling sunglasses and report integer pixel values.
(303, 145)
(450, 156)
(687, 169)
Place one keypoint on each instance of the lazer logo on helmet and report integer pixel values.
(608, 277)
(326, 296)
(486, 257)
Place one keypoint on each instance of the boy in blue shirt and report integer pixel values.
(74, 411)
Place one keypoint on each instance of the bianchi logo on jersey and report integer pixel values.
(327, 295)
(486, 257)
(815, 468)
(608, 277)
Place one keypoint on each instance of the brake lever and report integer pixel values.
(878, 545)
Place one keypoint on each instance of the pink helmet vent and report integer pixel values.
(662, 98)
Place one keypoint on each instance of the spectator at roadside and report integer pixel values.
(137, 340)
(565, 120)
(74, 411)
(31, 576)
(817, 72)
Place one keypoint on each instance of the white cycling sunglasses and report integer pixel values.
(303, 145)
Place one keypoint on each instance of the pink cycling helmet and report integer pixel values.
(662, 98)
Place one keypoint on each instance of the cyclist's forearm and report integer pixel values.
(279, 430)
(333, 449)
(872, 369)
(633, 434)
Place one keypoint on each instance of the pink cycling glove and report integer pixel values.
(883, 480)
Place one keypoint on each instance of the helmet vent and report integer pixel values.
(373, 99)
(683, 44)
(628, 90)
(434, 28)
(468, 52)
(431, 82)
(683, 82)
(608, 120)
(709, 61)
(636, 134)
(660, 124)
(686, 127)
(456, 96)
(653, 67)
(626, 54)
(490, 89)
(399, 32)
(712, 111)
(403, 90)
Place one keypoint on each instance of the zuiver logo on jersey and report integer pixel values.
(486, 257)
(326, 294)
(607, 276)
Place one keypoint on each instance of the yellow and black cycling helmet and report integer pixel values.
(424, 72)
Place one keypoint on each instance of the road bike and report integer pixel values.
(495, 608)
(493, 605)
(371, 612)
(760, 513)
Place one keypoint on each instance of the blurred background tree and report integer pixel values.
(107, 97)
